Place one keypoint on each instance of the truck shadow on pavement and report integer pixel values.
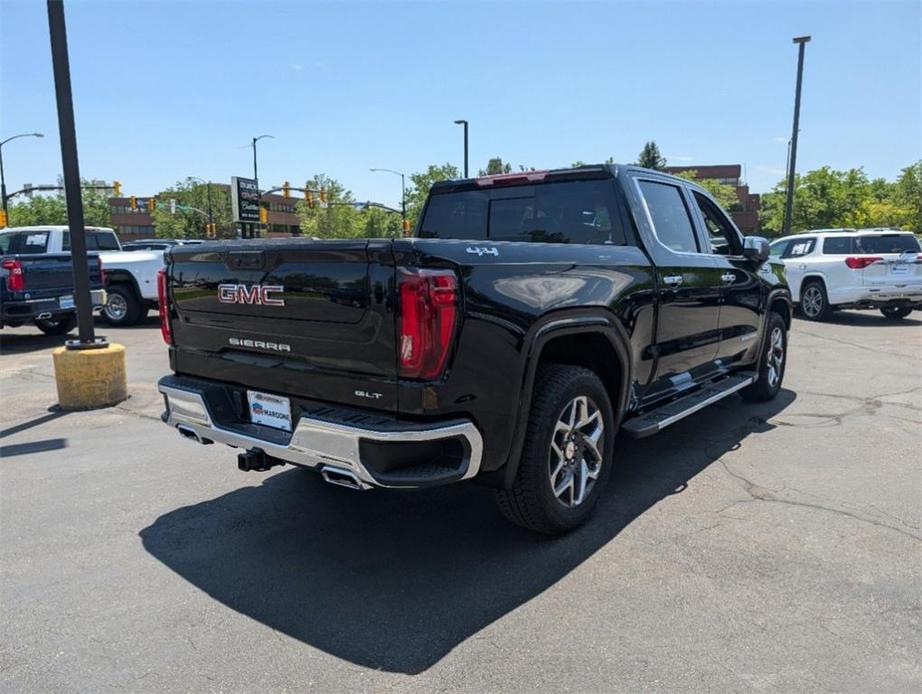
(873, 319)
(395, 580)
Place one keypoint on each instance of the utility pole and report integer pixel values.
(463, 122)
(792, 165)
(61, 68)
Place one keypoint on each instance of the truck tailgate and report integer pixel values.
(290, 316)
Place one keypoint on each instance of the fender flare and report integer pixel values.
(559, 324)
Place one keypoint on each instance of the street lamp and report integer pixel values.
(2, 178)
(792, 164)
(463, 122)
(403, 193)
(255, 140)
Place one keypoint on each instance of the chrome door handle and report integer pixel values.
(728, 277)
(673, 280)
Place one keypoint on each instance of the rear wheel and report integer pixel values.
(567, 457)
(771, 363)
(122, 306)
(57, 326)
(814, 303)
(895, 312)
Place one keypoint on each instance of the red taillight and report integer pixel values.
(859, 263)
(163, 307)
(428, 313)
(15, 279)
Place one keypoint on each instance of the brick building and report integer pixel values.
(746, 213)
(138, 224)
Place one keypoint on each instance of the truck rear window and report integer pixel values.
(888, 243)
(566, 212)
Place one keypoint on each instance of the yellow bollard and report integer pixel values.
(90, 378)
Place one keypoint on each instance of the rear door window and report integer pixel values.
(887, 243)
(32, 242)
(95, 241)
(839, 245)
(671, 222)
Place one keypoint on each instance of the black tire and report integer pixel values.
(772, 362)
(122, 307)
(895, 312)
(531, 501)
(814, 303)
(57, 326)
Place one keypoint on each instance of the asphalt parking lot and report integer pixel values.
(770, 547)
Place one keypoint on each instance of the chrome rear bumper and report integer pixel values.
(326, 446)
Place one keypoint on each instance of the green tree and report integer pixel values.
(338, 218)
(52, 209)
(190, 218)
(907, 193)
(823, 198)
(723, 193)
(495, 167)
(650, 157)
(421, 182)
(380, 223)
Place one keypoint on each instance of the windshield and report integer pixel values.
(888, 243)
(564, 212)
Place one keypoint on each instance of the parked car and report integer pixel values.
(132, 277)
(532, 316)
(830, 269)
(38, 287)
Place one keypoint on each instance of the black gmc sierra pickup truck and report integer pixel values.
(531, 318)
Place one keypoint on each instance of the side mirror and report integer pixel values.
(756, 249)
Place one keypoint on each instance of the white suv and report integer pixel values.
(829, 269)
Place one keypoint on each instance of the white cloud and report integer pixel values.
(296, 66)
(770, 169)
(679, 157)
(781, 139)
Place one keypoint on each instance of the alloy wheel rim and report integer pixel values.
(116, 307)
(775, 355)
(575, 457)
(813, 301)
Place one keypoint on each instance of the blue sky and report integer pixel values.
(164, 90)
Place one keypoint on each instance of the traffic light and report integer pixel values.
(2, 219)
(133, 202)
(151, 204)
(323, 195)
(309, 196)
(406, 227)
(286, 189)
(263, 215)
(117, 188)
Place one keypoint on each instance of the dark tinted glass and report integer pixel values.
(799, 247)
(671, 222)
(31, 242)
(566, 212)
(839, 245)
(777, 248)
(6, 243)
(102, 240)
(887, 243)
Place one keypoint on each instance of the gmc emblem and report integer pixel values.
(250, 294)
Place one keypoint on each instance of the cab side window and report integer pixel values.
(722, 236)
(778, 248)
(671, 222)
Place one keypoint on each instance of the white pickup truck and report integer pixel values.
(131, 277)
(830, 269)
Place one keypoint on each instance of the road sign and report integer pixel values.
(245, 200)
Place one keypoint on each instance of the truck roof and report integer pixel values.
(53, 227)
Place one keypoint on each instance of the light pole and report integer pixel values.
(256, 173)
(792, 165)
(403, 194)
(2, 177)
(463, 122)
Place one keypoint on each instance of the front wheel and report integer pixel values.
(895, 312)
(567, 456)
(57, 326)
(771, 363)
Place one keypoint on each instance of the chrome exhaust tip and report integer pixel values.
(342, 477)
(188, 433)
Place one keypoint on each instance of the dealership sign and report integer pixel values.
(245, 200)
